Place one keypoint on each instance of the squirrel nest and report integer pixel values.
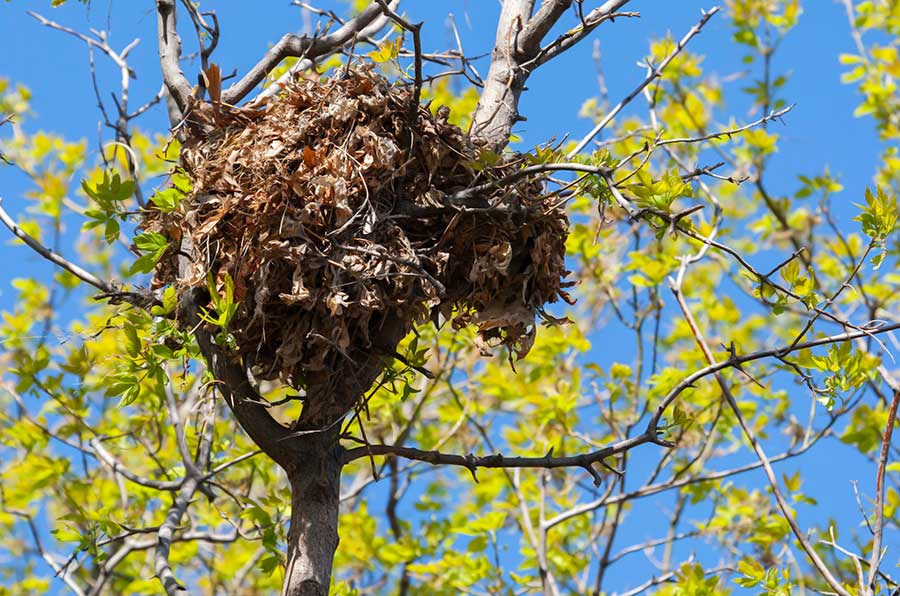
(332, 211)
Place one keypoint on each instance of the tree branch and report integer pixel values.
(591, 21)
(273, 438)
(813, 556)
(56, 259)
(497, 109)
(655, 74)
(516, 54)
(166, 532)
(540, 24)
(170, 54)
(472, 462)
(415, 29)
(307, 48)
(878, 529)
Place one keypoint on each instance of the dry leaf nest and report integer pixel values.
(330, 210)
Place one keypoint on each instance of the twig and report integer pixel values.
(774, 115)
(878, 530)
(657, 72)
(55, 258)
(416, 30)
(57, 568)
(735, 360)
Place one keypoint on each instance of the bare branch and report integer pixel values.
(472, 462)
(118, 468)
(349, 31)
(878, 530)
(415, 29)
(655, 74)
(170, 54)
(497, 109)
(813, 556)
(591, 21)
(54, 564)
(166, 532)
(736, 360)
(307, 48)
(774, 115)
(56, 259)
(540, 24)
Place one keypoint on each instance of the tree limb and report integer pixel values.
(307, 48)
(472, 462)
(170, 53)
(231, 380)
(497, 109)
(878, 530)
(55, 258)
(813, 556)
(655, 74)
(517, 52)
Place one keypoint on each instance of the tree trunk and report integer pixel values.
(315, 500)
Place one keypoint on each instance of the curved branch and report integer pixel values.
(274, 439)
(166, 533)
(517, 53)
(118, 468)
(498, 108)
(736, 362)
(814, 557)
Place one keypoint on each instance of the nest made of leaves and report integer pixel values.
(332, 211)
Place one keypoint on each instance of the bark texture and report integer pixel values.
(498, 108)
(315, 500)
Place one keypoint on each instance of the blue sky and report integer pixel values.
(819, 131)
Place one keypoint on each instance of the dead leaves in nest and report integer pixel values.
(330, 209)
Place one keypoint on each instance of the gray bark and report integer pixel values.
(315, 500)
(497, 110)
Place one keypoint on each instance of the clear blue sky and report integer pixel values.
(820, 130)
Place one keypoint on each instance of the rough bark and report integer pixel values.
(497, 110)
(315, 501)
(517, 53)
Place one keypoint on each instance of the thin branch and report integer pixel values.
(55, 258)
(813, 556)
(472, 462)
(415, 29)
(118, 468)
(774, 115)
(878, 530)
(57, 568)
(734, 361)
(589, 22)
(657, 72)
(166, 532)
(474, 191)
(307, 48)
